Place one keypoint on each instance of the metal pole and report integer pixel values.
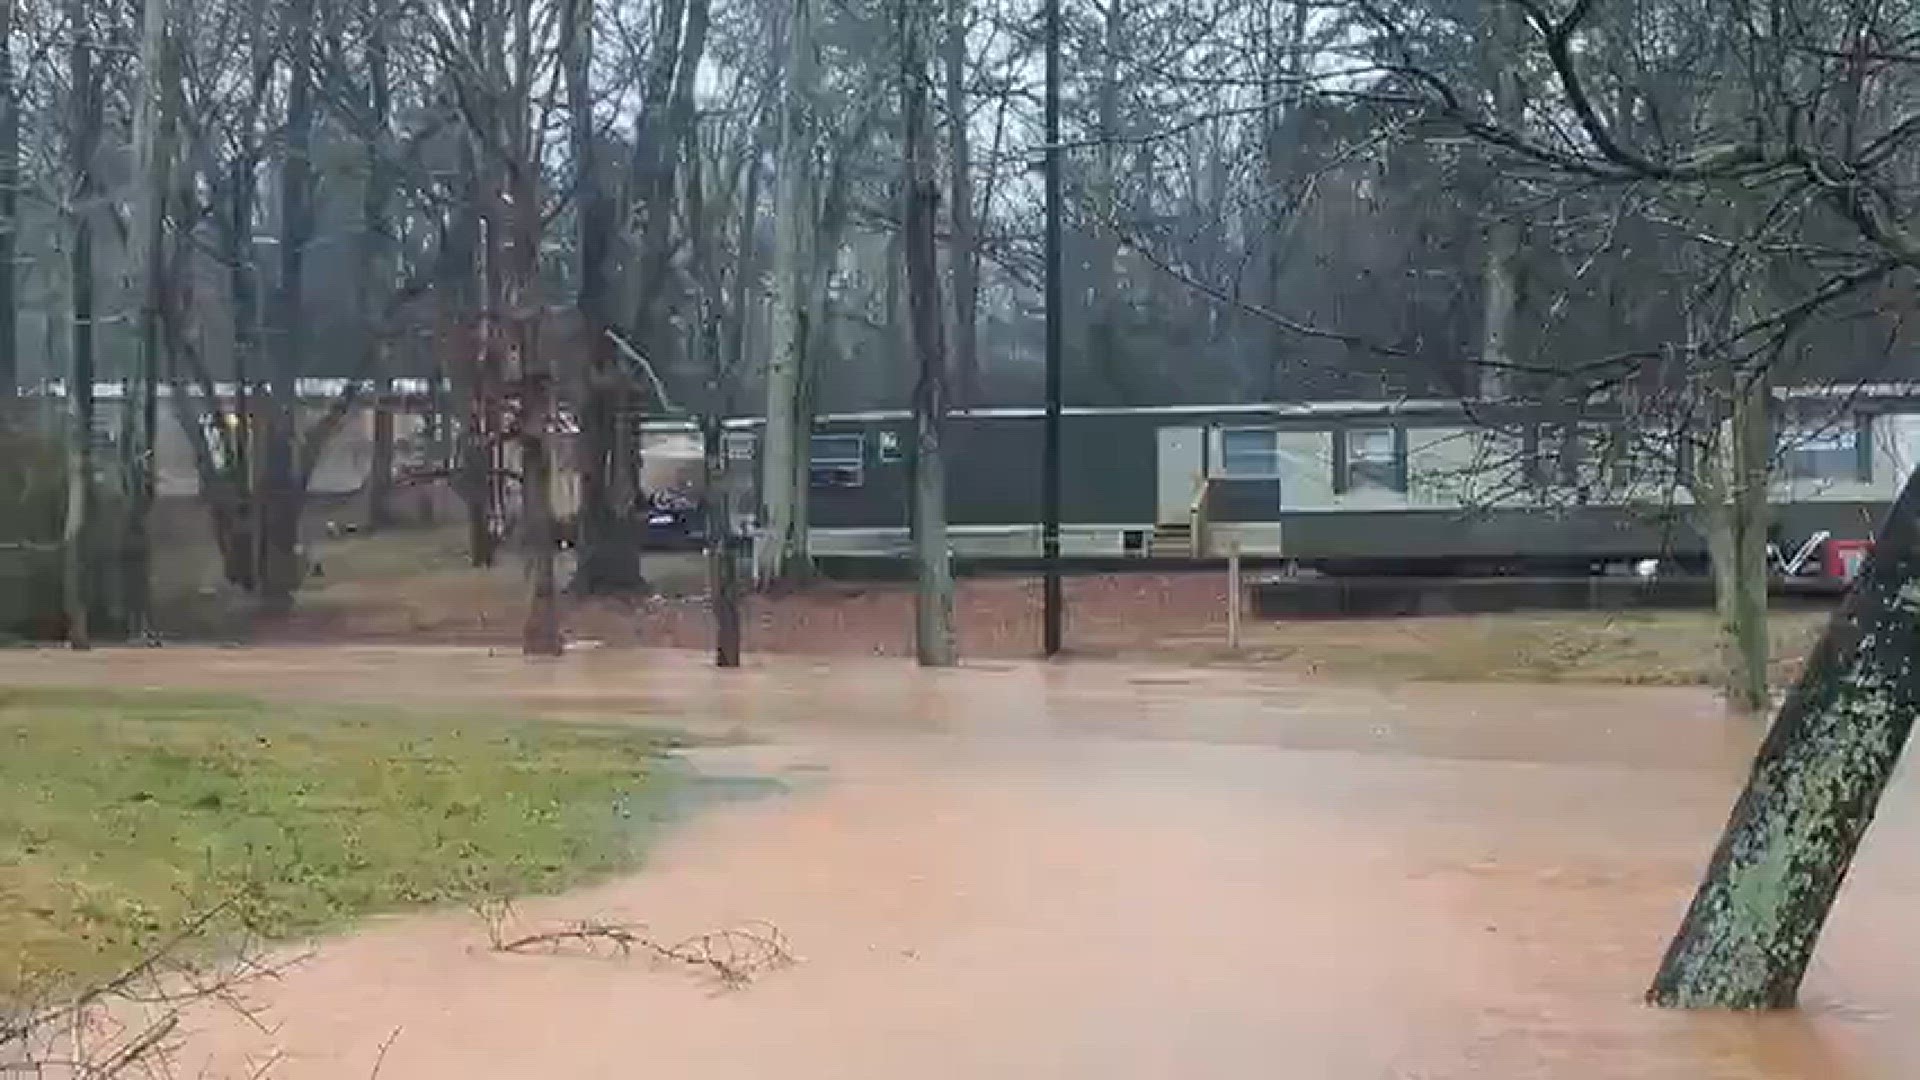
(1050, 467)
(1233, 596)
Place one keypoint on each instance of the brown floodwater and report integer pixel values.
(1096, 871)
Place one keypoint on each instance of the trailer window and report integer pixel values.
(1376, 460)
(838, 460)
(1829, 448)
(1249, 453)
(1590, 457)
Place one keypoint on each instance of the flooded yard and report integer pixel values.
(1094, 870)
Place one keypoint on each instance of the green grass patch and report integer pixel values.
(124, 814)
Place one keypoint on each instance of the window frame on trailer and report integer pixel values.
(1221, 470)
(837, 472)
(1558, 453)
(1344, 459)
(1793, 432)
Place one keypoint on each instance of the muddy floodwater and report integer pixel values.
(1097, 871)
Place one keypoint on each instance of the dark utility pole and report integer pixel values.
(1050, 467)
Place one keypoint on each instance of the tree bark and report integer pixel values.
(279, 496)
(781, 556)
(517, 225)
(464, 340)
(607, 557)
(9, 217)
(1749, 511)
(83, 136)
(1103, 346)
(933, 598)
(1816, 783)
(723, 584)
(238, 185)
(964, 252)
(541, 633)
(377, 268)
(1500, 291)
(723, 577)
(380, 516)
(152, 153)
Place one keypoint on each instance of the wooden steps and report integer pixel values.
(1171, 541)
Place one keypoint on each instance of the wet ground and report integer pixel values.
(1099, 871)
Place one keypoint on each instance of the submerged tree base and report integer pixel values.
(1816, 783)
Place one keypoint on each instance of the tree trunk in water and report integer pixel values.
(1815, 785)
(82, 138)
(933, 599)
(781, 555)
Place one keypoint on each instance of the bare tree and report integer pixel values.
(782, 553)
(609, 556)
(1502, 257)
(82, 142)
(9, 211)
(933, 599)
(722, 364)
(281, 496)
(964, 251)
(1787, 113)
(376, 256)
(153, 160)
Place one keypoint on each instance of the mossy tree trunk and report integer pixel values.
(1752, 927)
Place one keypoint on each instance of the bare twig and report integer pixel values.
(86, 1035)
(733, 957)
(380, 1059)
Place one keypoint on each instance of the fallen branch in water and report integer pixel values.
(734, 957)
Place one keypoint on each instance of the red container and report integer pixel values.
(1843, 559)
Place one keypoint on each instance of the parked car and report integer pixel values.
(675, 521)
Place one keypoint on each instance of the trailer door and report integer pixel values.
(1182, 463)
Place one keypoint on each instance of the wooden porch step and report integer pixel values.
(1171, 541)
